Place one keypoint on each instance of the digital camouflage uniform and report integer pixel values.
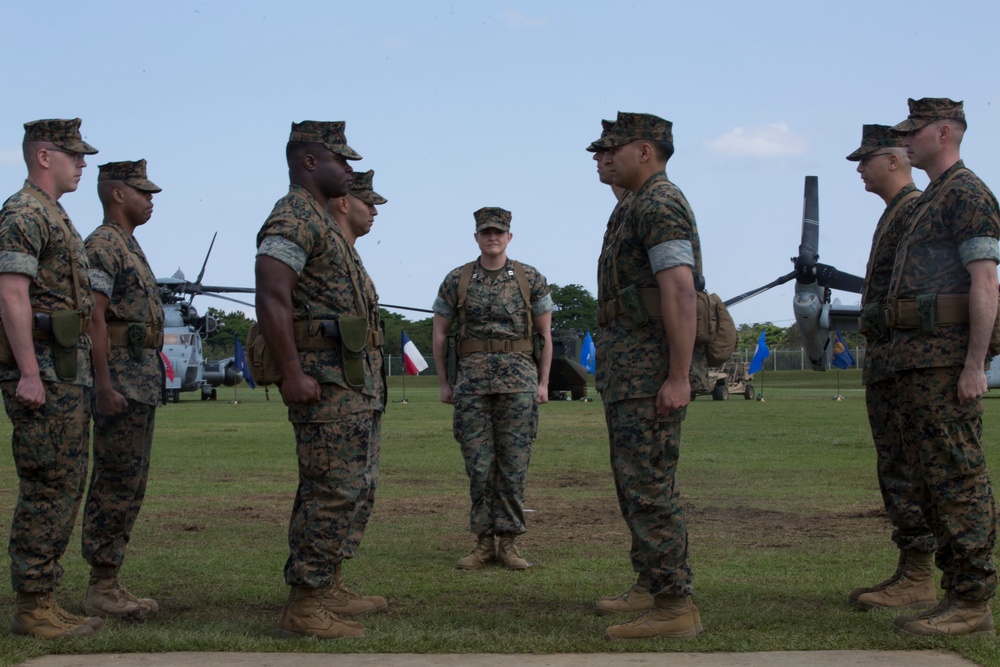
(51, 443)
(361, 188)
(910, 529)
(332, 436)
(942, 437)
(655, 230)
(496, 393)
(122, 443)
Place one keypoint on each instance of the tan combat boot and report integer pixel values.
(911, 587)
(107, 597)
(952, 616)
(39, 615)
(483, 554)
(672, 617)
(508, 555)
(377, 601)
(633, 600)
(306, 615)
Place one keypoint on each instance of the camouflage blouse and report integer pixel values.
(119, 270)
(34, 245)
(876, 289)
(959, 224)
(495, 310)
(301, 235)
(656, 231)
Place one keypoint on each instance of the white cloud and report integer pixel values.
(516, 19)
(766, 141)
(10, 157)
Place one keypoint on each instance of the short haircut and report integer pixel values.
(664, 149)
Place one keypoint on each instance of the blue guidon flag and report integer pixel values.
(240, 362)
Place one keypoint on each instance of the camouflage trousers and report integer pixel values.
(943, 443)
(909, 528)
(122, 448)
(366, 498)
(644, 452)
(332, 442)
(496, 432)
(51, 445)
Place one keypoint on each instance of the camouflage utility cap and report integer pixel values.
(631, 126)
(328, 133)
(873, 139)
(63, 133)
(492, 217)
(361, 188)
(927, 110)
(607, 126)
(131, 173)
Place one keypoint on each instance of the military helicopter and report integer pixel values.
(183, 333)
(816, 314)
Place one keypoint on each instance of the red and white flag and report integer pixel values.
(413, 361)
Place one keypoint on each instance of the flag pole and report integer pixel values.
(838, 397)
(760, 396)
(404, 374)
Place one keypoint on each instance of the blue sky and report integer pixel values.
(459, 105)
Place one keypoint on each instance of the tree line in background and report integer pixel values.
(574, 308)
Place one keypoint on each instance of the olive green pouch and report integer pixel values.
(631, 302)
(452, 359)
(871, 316)
(353, 337)
(136, 339)
(537, 345)
(927, 312)
(65, 336)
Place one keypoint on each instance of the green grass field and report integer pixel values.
(781, 498)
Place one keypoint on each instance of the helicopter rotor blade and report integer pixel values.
(829, 276)
(205, 289)
(754, 292)
(805, 263)
(418, 310)
(205, 263)
(226, 298)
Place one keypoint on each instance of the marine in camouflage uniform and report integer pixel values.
(127, 334)
(498, 384)
(646, 295)
(943, 300)
(885, 170)
(355, 214)
(310, 282)
(43, 277)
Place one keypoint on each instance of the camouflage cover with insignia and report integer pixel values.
(119, 270)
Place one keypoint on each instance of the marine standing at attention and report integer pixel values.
(943, 307)
(504, 351)
(885, 171)
(45, 372)
(645, 356)
(355, 214)
(316, 315)
(126, 332)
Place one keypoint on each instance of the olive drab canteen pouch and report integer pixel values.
(262, 365)
(353, 337)
(65, 336)
(537, 345)
(136, 340)
(715, 329)
(631, 303)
